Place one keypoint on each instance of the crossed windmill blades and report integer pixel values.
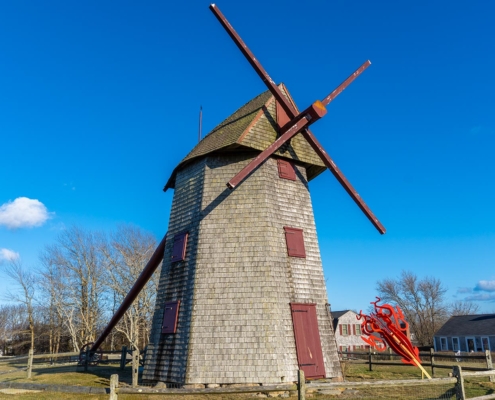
(299, 122)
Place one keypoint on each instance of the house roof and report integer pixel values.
(338, 314)
(253, 127)
(465, 325)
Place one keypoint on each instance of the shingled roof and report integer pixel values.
(254, 127)
(468, 325)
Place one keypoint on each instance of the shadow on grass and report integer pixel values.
(72, 375)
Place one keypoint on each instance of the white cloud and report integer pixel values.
(23, 213)
(8, 255)
(481, 297)
(464, 290)
(485, 286)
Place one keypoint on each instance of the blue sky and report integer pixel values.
(99, 102)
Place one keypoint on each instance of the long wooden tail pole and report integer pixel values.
(291, 113)
(141, 281)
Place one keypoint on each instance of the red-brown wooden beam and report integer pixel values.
(293, 127)
(317, 147)
(346, 83)
(309, 116)
(141, 281)
(270, 84)
(292, 114)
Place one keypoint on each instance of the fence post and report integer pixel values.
(459, 386)
(432, 361)
(30, 363)
(114, 384)
(390, 353)
(135, 366)
(86, 360)
(369, 359)
(301, 385)
(123, 357)
(489, 364)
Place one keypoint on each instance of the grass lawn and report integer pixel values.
(99, 377)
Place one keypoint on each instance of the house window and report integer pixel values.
(286, 170)
(455, 344)
(179, 247)
(357, 329)
(470, 344)
(345, 329)
(295, 242)
(443, 344)
(486, 343)
(170, 316)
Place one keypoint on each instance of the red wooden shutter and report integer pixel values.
(286, 170)
(295, 242)
(282, 117)
(307, 338)
(340, 329)
(170, 315)
(179, 248)
(353, 329)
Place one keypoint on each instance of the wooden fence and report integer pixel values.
(428, 359)
(457, 381)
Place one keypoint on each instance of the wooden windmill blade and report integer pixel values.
(299, 122)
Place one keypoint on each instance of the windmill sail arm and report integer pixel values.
(317, 147)
(270, 84)
(309, 116)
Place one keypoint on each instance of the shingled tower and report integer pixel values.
(242, 267)
(242, 298)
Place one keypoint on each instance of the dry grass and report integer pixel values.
(99, 377)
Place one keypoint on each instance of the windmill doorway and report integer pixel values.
(307, 337)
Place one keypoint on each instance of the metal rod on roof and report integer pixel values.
(200, 122)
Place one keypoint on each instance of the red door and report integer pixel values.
(308, 345)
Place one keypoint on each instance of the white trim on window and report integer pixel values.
(444, 343)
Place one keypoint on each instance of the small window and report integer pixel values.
(286, 170)
(443, 344)
(357, 328)
(179, 249)
(455, 344)
(345, 329)
(295, 242)
(170, 316)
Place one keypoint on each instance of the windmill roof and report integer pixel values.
(253, 127)
(462, 325)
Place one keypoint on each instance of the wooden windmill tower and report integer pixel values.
(242, 297)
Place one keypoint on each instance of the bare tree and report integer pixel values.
(126, 254)
(422, 301)
(26, 282)
(73, 267)
(463, 308)
(13, 319)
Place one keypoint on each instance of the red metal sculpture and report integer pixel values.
(390, 324)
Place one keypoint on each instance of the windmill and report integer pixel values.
(242, 297)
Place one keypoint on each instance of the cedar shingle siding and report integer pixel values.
(236, 282)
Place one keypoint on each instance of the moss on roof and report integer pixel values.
(253, 127)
